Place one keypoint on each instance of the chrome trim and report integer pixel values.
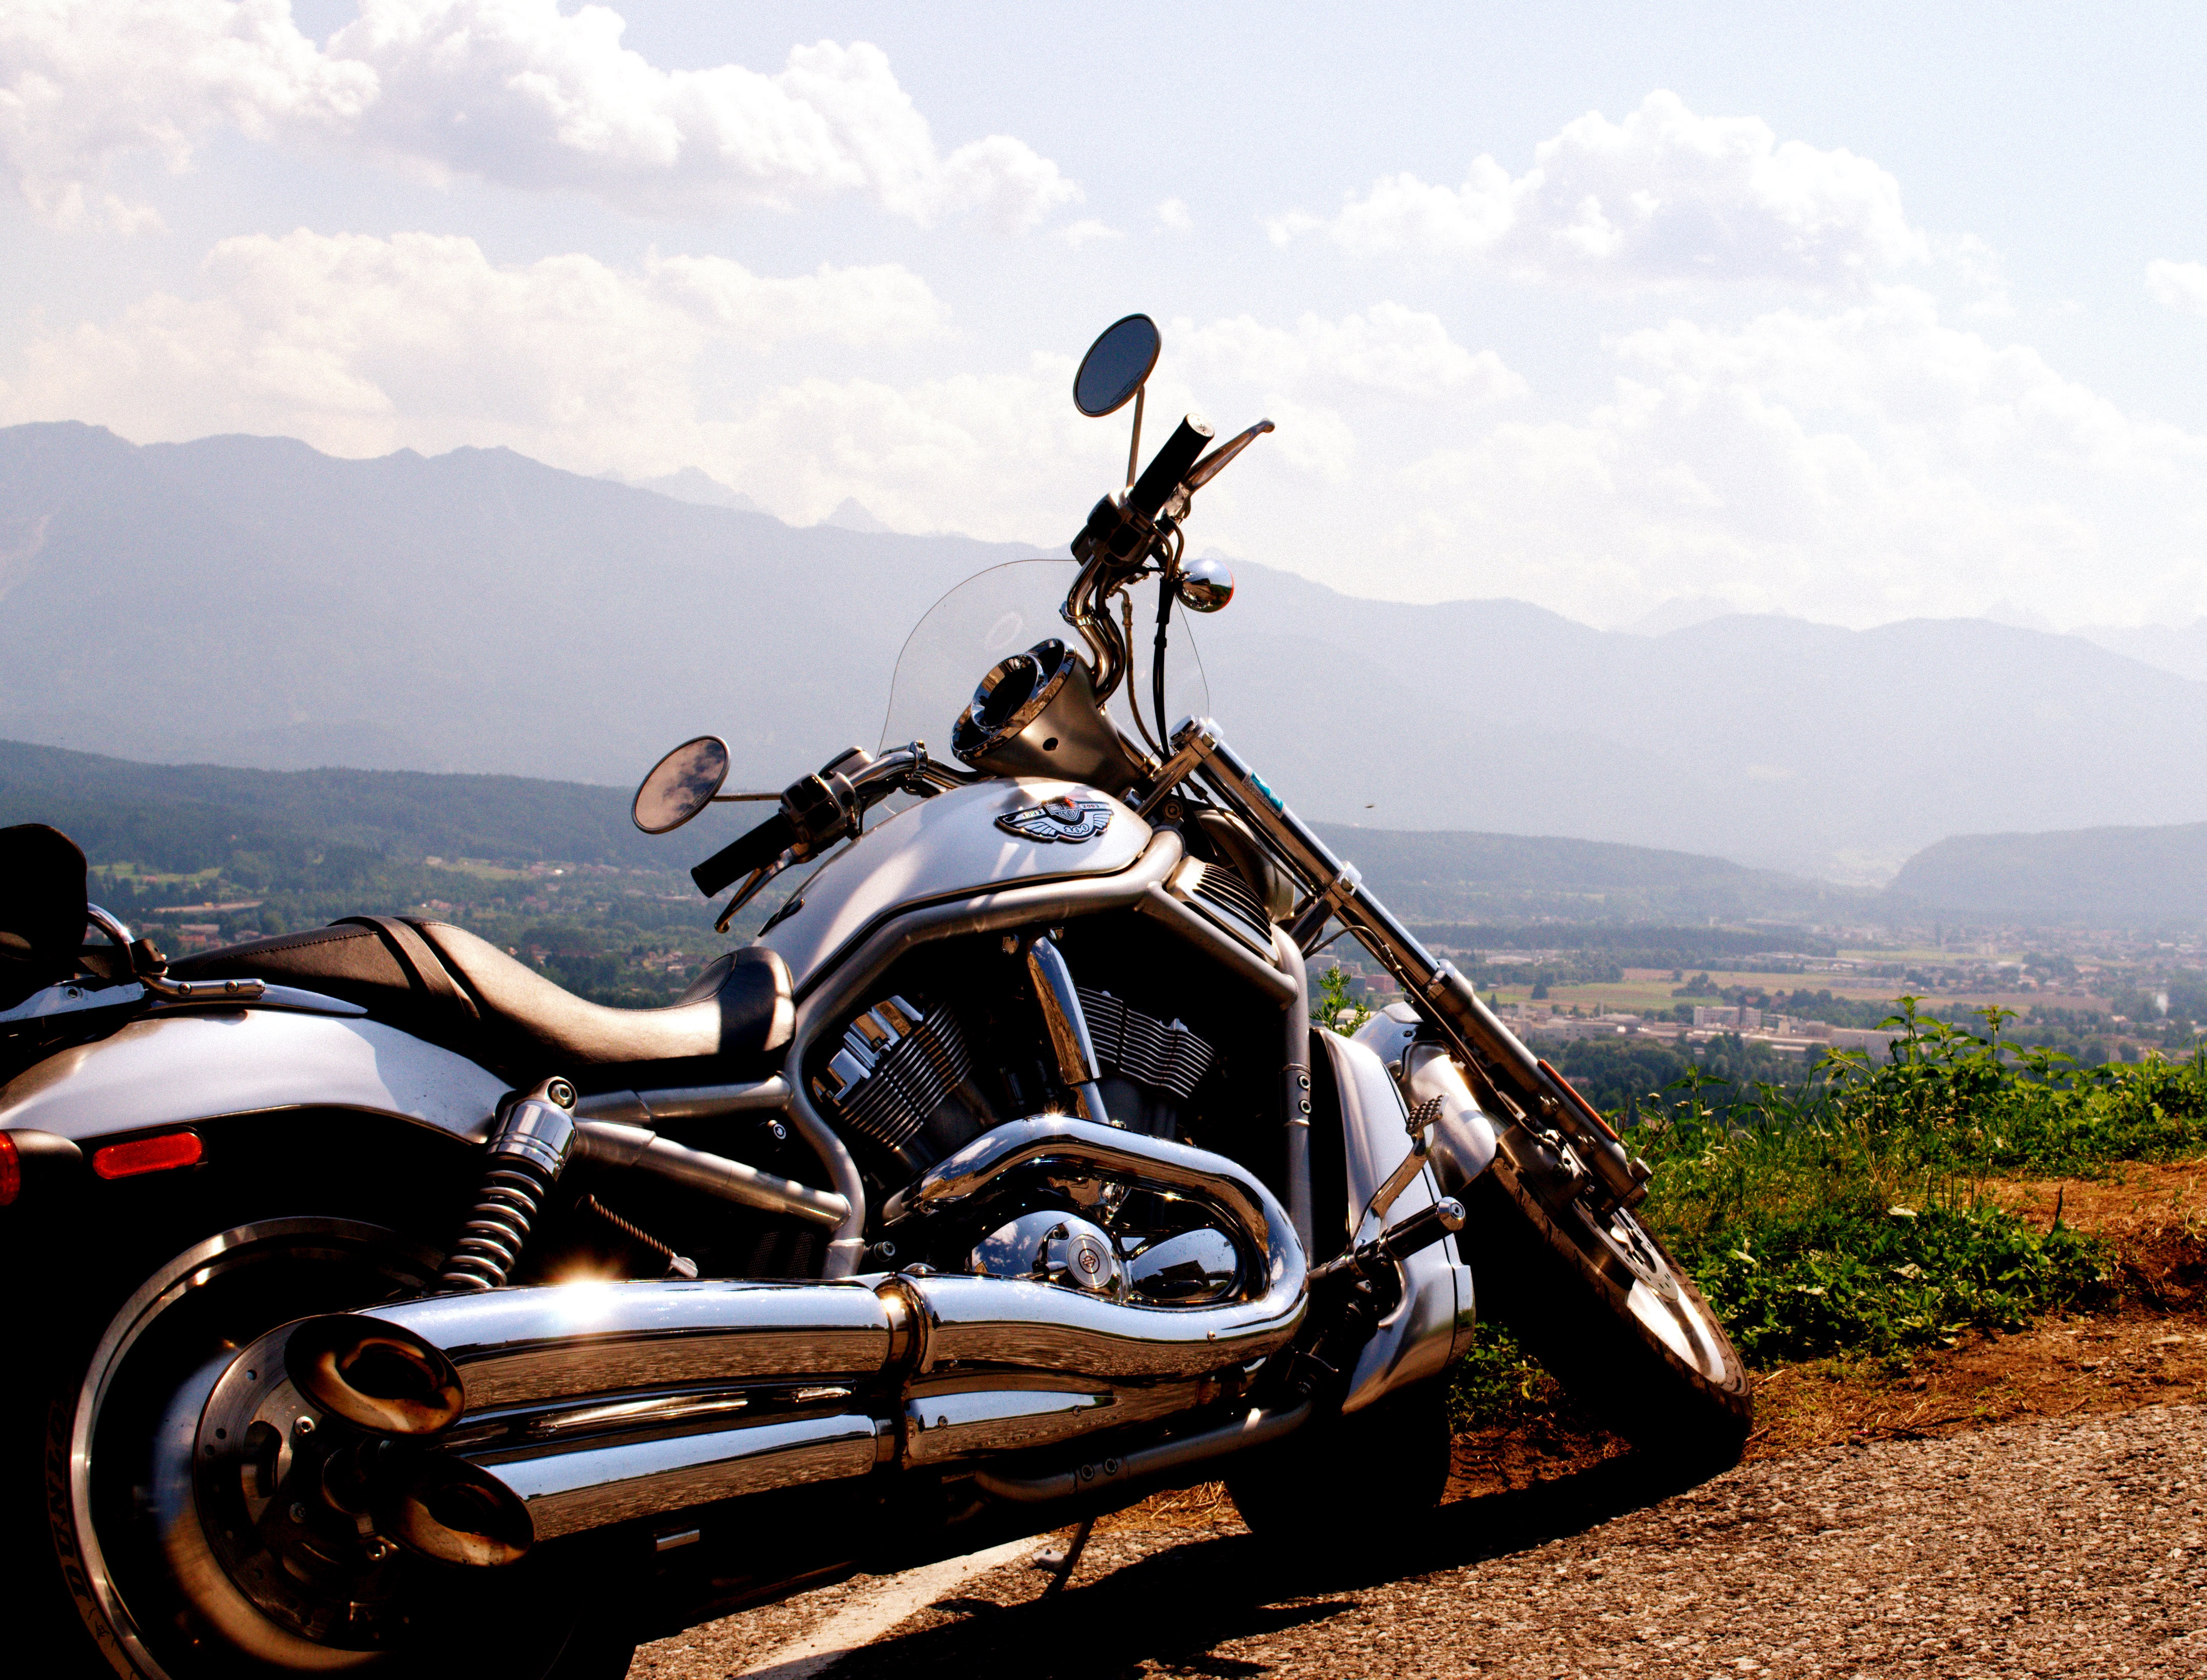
(1110, 1474)
(567, 1491)
(1067, 1023)
(582, 1342)
(942, 1428)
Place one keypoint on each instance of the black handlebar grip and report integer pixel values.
(763, 845)
(1423, 1230)
(1168, 467)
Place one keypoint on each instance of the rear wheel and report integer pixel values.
(1599, 1301)
(169, 1551)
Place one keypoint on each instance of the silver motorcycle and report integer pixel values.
(375, 1302)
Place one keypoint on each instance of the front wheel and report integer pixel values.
(1600, 1303)
(174, 1563)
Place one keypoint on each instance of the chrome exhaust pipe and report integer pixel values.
(583, 1402)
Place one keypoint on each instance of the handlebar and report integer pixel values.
(1168, 467)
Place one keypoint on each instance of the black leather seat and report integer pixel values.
(445, 984)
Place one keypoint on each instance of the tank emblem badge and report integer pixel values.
(1067, 818)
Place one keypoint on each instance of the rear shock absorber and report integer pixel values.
(536, 1136)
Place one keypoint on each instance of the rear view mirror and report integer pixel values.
(681, 785)
(1116, 365)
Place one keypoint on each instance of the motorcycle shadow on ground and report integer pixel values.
(1171, 1606)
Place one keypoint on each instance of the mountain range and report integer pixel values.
(248, 602)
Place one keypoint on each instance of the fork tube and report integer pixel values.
(1336, 889)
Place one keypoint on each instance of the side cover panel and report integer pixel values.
(166, 1070)
(943, 847)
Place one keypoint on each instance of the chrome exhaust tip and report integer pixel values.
(451, 1511)
(377, 1377)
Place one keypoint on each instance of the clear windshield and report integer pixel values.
(1002, 611)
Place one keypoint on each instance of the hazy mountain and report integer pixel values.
(2182, 651)
(249, 602)
(851, 515)
(691, 485)
(2094, 877)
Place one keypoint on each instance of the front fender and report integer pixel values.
(175, 1068)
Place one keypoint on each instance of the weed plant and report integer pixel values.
(1848, 1216)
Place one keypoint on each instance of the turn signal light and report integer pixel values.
(148, 1155)
(11, 1170)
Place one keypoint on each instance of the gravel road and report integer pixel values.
(2053, 1548)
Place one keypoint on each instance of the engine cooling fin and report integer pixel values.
(896, 1064)
(1164, 1054)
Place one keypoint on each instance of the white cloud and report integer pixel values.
(1088, 230)
(2178, 285)
(1388, 350)
(1872, 463)
(510, 91)
(1664, 196)
(1173, 213)
(360, 344)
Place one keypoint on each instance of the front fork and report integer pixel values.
(1526, 1088)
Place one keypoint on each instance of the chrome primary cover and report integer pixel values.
(952, 845)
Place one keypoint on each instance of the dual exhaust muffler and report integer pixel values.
(521, 1415)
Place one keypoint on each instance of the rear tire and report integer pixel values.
(1602, 1304)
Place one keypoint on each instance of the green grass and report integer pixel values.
(1848, 1216)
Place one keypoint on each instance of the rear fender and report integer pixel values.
(188, 1066)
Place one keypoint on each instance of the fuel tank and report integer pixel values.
(959, 844)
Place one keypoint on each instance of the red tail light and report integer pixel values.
(11, 1170)
(148, 1155)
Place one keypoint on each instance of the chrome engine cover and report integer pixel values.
(1051, 1248)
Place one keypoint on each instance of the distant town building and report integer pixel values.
(1736, 1016)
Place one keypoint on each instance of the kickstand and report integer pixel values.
(1073, 1550)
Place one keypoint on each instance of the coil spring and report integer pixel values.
(497, 1227)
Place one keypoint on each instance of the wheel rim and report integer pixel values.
(172, 1339)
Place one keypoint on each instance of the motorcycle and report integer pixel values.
(372, 1296)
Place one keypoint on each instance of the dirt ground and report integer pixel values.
(2021, 1504)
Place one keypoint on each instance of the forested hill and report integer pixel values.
(2128, 877)
(259, 827)
(184, 818)
(1445, 875)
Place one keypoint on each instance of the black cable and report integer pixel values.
(1158, 664)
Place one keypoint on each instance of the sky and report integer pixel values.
(1857, 314)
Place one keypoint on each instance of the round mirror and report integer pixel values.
(1205, 585)
(1116, 366)
(681, 785)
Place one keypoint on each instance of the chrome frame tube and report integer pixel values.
(844, 981)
